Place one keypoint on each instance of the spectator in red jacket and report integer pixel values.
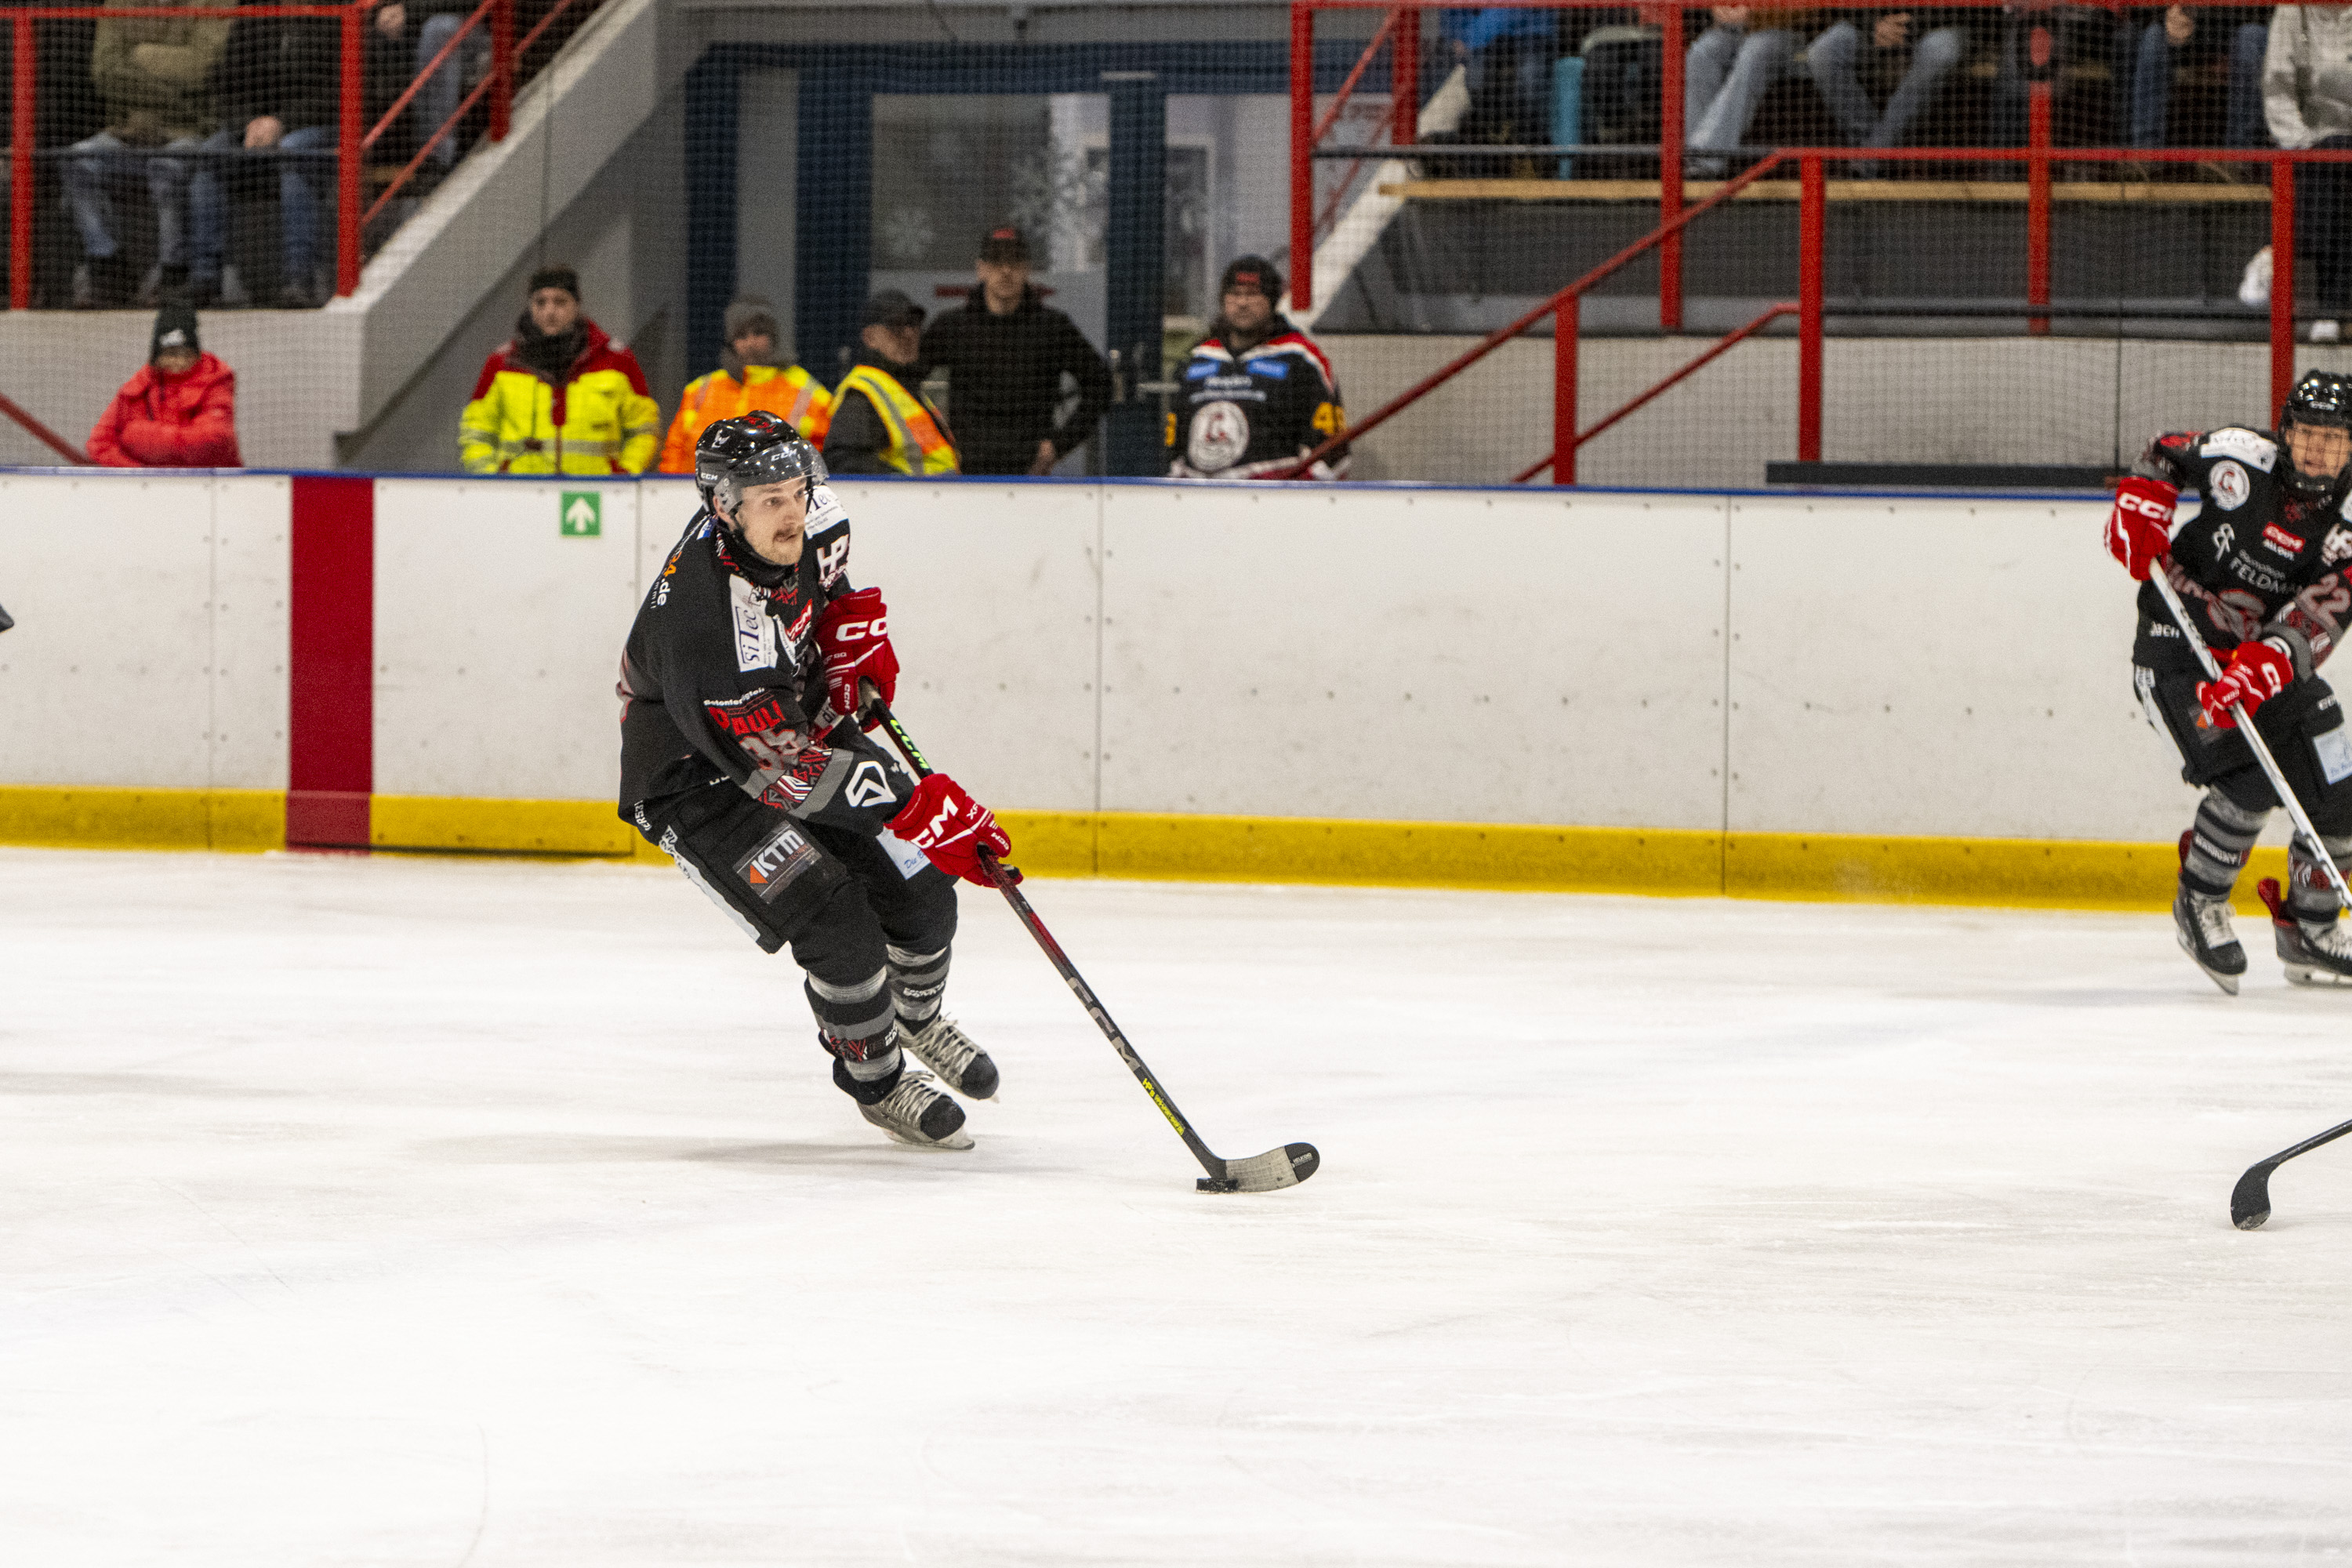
(178, 412)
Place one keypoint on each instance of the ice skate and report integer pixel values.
(948, 1051)
(2207, 937)
(918, 1113)
(2313, 953)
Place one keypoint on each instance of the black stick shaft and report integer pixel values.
(1061, 960)
(2308, 1145)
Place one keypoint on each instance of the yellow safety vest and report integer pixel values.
(918, 444)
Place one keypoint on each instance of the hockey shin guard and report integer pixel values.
(2219, 844)
(855, 1024)
(918, 981)
(2308, 892)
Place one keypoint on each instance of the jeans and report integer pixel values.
(1725, 76)
(1833, 61)
(92, 205)
(438, 99)
(1511, 79)
(2323, 203)
(2145, 66)
(301, 190)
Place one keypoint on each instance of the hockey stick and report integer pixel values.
(2249, 1199)
(2260, 747)
(1284, 1167)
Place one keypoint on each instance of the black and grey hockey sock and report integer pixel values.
(2219, 844)
(2308, 893)
(856, 1022)
(917, 982)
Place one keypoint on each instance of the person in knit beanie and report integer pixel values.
(178, 412)
(750, 376)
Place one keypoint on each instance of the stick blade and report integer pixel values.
(1270, 1172)
(2250, 1201)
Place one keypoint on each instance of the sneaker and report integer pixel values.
(2254, 288)
(2313, 953)
(918, 1113)
(103, 283)
(948, 1051)
(2205, 936)
(2326, 332)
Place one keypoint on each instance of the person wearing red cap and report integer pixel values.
(1005, 354)
(1256, 394)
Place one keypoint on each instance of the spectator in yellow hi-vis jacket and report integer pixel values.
(559, 396)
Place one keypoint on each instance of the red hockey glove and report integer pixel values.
(854, 637)
(2139, 531)
(951, 828)
(2257, 671)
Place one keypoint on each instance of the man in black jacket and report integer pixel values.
(1005, 354)
(275, 88)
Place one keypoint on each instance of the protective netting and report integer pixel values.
(2091, 257)
(2080, 253)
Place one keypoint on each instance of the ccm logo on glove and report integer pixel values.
(2139, 529)
(853, 637)
(951, 828)
(2257, 672)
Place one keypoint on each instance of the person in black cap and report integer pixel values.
(1257, 396)
(559, 396)
(882, 422)
(1006, 352)
(178, 412)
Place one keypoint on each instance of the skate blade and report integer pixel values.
(2316, 978)
(2228, 983)
(959, 1139)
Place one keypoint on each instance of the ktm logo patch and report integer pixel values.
(773, 865)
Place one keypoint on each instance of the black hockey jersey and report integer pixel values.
(1255, 414)
(2254, 562)
(721, 678)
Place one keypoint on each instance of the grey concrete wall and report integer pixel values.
(627, 235)
(1966, 400)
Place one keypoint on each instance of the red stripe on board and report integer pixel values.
(331, 729)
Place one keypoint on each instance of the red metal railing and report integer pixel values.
(350, 145)
(1812, 223)
(1812, 227)
(44, 435)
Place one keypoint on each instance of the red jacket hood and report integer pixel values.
(200, 377)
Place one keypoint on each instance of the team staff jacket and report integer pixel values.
(720, 680)
(1256, 413)
(882, 422)
(2255, 562)
(787, 391)
(597, 419)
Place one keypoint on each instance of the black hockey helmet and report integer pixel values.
(2321, 397)
(755, 449)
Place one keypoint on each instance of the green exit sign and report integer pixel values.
(582, 514)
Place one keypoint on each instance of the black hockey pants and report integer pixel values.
(871, 933)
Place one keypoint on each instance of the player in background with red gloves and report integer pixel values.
(742, 759)
(2259, 568)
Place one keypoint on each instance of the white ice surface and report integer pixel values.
(436, 1212)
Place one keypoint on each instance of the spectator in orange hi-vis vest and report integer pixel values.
(559, 396)
(749, 378)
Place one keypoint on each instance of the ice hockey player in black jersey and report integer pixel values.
(738, 759)
(1256, 394)
(2259, 568)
